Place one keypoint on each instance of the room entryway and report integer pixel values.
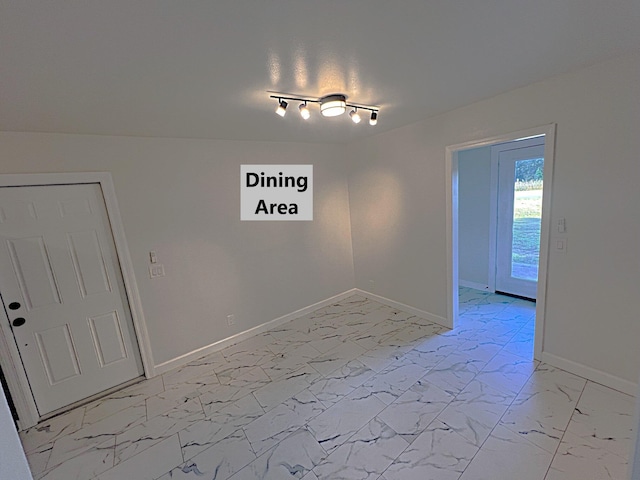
(63, 293)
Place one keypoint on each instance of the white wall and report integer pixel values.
(13, 463)
(182, 199)
(474, 210)
(398, 208)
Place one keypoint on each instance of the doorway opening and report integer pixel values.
(483, 252)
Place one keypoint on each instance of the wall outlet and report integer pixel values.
(231, 320)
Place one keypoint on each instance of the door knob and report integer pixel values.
(14, 306)
(18, 322)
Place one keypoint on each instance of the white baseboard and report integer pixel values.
(405, 308)
(238, 337)
(590, 373)
(474, 285)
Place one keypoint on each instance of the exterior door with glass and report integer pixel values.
(519, 217)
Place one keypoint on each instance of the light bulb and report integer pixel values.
(374, 118)
(355, 116)
(304, 111)
(282, 108)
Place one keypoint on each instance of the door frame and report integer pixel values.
(9, 356)
(451, 181)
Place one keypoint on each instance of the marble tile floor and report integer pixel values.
(356, 391)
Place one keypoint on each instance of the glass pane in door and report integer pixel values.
(527, 213)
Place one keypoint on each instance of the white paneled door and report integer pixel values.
(63, 293)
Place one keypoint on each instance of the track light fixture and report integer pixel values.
(304, 111)
(330, 106)
(282, 107)
(355, 116)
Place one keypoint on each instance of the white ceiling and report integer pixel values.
(202, 69)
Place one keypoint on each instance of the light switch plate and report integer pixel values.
(156, 270)
(561, 245)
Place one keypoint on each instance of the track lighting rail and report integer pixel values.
(330, 106)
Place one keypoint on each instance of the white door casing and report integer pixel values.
(67, 255)
(508, 278)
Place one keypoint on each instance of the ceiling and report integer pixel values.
(202, 68)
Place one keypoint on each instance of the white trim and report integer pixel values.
(238, 337)
(474, 285)
(493, 219)
(9, 356)
(597, 376)
(451, 160)
(405, 308)
(545, 238)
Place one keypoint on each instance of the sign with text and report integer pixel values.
(276, 192)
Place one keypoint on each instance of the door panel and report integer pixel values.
(518, 225)
(33, 271)
(58, 260)
(88, 263)
(107, 338)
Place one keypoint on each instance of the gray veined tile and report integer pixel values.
(376, 335)
(507, 372)
(205, 433)
(121, 400)
(415, 409)
(454, 372)
(169, 399)
(217, 462)
(437, 453)
(543, 408)
(294, 457)
(95, 434)
(604, 418)
(149, 464)
(336, 424)
(341, 382)
(256, 344)
(336, 358)
(507, 455)
(187, 374)
(394, 381)
(238, 367)
(483, 350)
(475, 411)
(274, 393)
(280, 369)
(147, 434)
(521, 344)
(52, 429)
(414, 332)
(224, 395)
(280, 422)
(39, 458)
(441, 344)
(88, 464)
(365, 455)
(578, 459)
